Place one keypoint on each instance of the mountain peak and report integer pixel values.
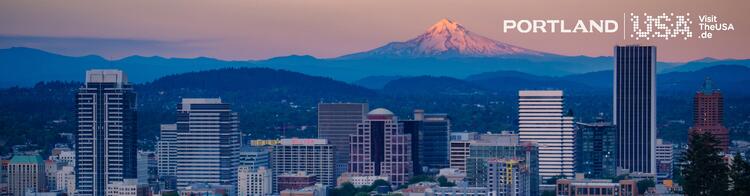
(446, 25)
(446, 38)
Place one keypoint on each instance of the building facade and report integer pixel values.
(541, 120)
(664, 159)
(380, 148)
(26, 172)
(312, 156)
(503, 146)
(166, 150)
(459, 149)
(254, 181)
(596, 145)
(208, 142)
(508, 177)
(255, 157)
(634, 107)
(336, 122)
(65, 180)
(106, 140)
(430, 141)
(708, 114)
(295, 181)
(128, 187)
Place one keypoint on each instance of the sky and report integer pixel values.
(261, 29)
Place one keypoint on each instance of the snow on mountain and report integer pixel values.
(446, 38)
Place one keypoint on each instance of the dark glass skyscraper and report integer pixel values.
(106, 137)
(430, 137)
(596, 149)
(634, 107)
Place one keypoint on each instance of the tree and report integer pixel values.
(704, 171)
(346, 189)
(420, 178)
(643, 185)
(740, 176)
(443, 182)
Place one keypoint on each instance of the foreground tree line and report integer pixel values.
(705, 171)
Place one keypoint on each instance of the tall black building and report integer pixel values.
(634, 107)
(106, 148)
(430, 133)
(596, 149)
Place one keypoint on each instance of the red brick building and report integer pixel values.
(708, 114)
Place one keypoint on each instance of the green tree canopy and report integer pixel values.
(740, 176)
(703, 169)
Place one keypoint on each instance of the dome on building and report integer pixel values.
(380, 111)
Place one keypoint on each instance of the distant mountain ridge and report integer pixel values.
(445, 49)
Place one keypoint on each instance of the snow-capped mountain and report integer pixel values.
(446, 38)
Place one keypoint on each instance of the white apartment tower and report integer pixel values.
(208, 143)
(541, 120)
(166, 150)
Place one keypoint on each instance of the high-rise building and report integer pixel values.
(541, 120)
(430, 141)
(380, 148)
(50, 171)
(26, 172)
(166, 150)
(508, 177)
(664, 159)
(143, 176)
(106, 144)
(596, 145)
(459, 149)
(255, 157)
(503, 146)
(708, 114)
(313, 156)
(208, 143)
(336, 122)
(254, 181)
(634, 107)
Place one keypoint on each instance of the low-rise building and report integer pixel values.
(358, 180)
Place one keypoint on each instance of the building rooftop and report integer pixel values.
(20, 159)
(106, 76)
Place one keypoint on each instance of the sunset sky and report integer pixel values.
(241, 30)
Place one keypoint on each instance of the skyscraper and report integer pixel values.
(596, 145)
(336, 122)
(208, 143)
(380, 148)
(634, 107)
(313, 156)
(106, 137)
(708, 114)
(166, 150)
(430, 140)
(503, 146)
(541, 120)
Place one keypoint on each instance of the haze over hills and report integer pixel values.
(445, 49)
